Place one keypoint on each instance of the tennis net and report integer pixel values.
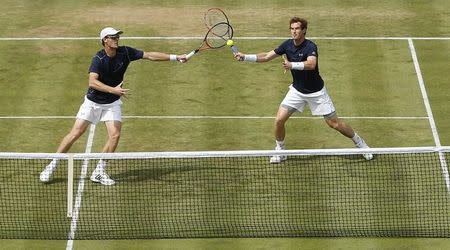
(402, 192)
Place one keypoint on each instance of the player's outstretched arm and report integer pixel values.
(260, 57)
(159, 56)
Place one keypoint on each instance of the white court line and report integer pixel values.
(426, 101)
(273, 117)
(225, 117)
(76, 210)
(236, 38)
(424, 94)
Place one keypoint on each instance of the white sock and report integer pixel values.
(356, 138)
(101, 165)
(54, 163)
(280, 144)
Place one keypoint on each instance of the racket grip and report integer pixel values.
(234, 49)
(190, 54)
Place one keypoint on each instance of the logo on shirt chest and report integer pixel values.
(117, 66)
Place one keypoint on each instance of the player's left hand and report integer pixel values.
(286, 64)
(118, 90)
(182, 58)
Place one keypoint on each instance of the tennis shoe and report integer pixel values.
(102, 178)
(362, 144)
(275, 159)
(46, 174)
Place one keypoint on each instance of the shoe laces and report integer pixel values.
(104, 176)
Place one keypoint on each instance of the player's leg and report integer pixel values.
(77, 130)
(112, 117)
(99, 174)
(334, 122)
(114, 129)
(279, 131)
(291, 103)
(321, 104)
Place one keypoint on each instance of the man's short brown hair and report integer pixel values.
(302, 21)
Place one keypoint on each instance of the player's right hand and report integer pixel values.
(239, 56)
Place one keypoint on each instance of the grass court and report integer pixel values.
(213, 102)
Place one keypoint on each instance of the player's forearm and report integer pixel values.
(156, 56)
(309, 65)
(97, 85)
(305, 65)
(159, 56)
(260, 57)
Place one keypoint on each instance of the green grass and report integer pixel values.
(166, 89)
(240, 244)
(433, 64)
(251, 18)
(366, 78)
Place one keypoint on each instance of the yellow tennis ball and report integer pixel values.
(230, 42)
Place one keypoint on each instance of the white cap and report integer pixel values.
(109, 31)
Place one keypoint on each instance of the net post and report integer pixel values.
(69, 185)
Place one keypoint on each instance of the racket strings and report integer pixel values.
(218, 35)
(211, 20)
(214, 16)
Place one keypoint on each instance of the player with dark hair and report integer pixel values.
(102, 101)
(307, 86)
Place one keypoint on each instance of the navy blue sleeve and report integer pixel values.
(95, 65)
(282, 48)
(134, 54)
(312, 50)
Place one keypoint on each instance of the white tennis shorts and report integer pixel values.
(94, 112)
(319, 102)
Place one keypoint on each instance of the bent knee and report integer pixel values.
(333, 124)
(115, 136)
(280, 121)
(282, 116)
(76, 133)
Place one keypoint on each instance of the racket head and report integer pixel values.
(214, 16)
(218, 35)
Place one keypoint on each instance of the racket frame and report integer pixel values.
(205, 45)
(210, 25)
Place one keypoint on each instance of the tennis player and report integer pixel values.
(307, 86)
(102, 101)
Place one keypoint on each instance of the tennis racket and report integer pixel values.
(284, 59)
(216, 37)
(215, 15)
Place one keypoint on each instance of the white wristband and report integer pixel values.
(173, 57)
(298, 65)
(250, 58)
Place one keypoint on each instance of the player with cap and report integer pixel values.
(102, 101)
